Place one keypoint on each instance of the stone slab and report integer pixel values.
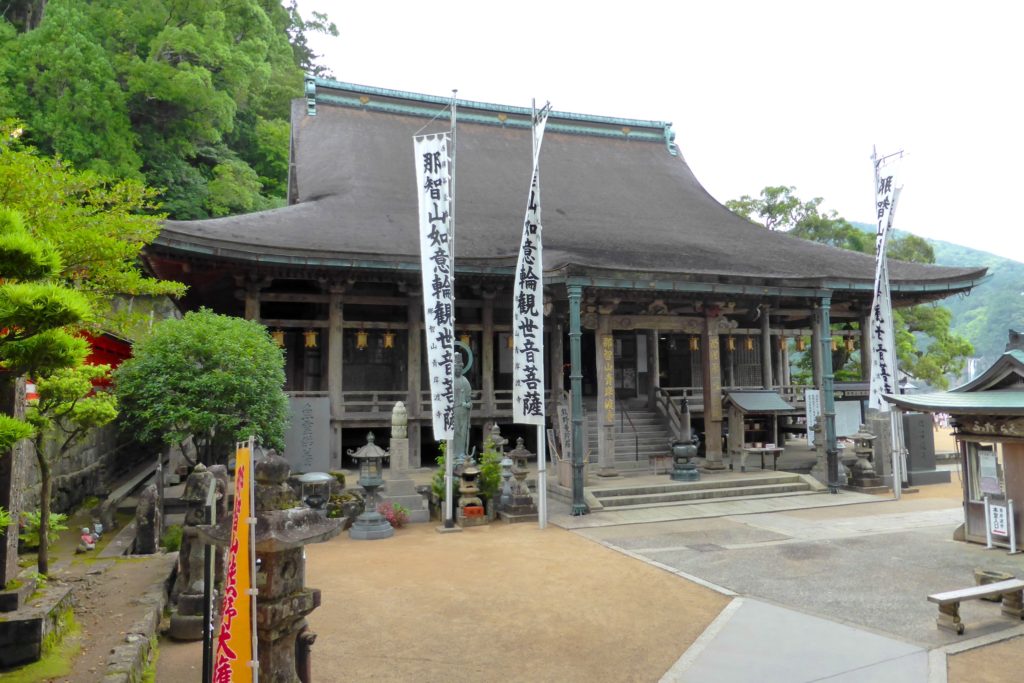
(307, 441)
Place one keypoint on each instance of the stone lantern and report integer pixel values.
(521, 507)
(283, 528)
(862, 472)
(471, 508)
(371, 524)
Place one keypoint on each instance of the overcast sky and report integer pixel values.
(759, 93)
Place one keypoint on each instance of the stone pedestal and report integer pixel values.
(399, 488)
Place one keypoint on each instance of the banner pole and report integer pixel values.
(208, 574)
(449, 451)
(253, 590)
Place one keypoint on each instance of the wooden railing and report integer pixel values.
(673, 408)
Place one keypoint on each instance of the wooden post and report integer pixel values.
(413, 404)
(487, 355)
(605, 397)
(711, 362)
(335, 320)
(252, 301)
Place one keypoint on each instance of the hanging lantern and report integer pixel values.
(835, 344)
(694, 343)
(310, 338)
(465, 338)
(278, 337)
(801, 344)
(748, 343)
(389, 340)
(849, 344)
(782, 343)
(362, 339)
(730, 343)
(31, 393)
(510, 342)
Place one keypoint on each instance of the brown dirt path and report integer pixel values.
(998, 663)
(507, 602)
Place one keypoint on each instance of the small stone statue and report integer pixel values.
(463, 407)
(88, 541)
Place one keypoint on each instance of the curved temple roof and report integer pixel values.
(616, 196)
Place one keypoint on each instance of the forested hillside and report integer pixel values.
(190, 97)
(993, 307)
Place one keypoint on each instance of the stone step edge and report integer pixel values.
(685, 486)
(618, 501)
(723, 499)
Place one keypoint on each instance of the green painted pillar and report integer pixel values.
(579, 507)
(828, 401)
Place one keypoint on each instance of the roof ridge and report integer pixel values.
(508, 116)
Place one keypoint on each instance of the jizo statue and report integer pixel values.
(463, 407)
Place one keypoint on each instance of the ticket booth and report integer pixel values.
(988, 417)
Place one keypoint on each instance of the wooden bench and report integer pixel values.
(1012, 592)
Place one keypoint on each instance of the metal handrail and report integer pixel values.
(670, 410)
(624, 415)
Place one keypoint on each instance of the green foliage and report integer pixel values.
(189, 96)
(67, 401)
(925, 345)
(30, 529)
(214, 378)
(5, 520)
(171, 540)
(60, 647)
(490, 470)
(12, 431)
(99, 225)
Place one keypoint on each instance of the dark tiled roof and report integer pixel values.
(611, 202)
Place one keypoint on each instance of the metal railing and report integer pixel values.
(623, 418)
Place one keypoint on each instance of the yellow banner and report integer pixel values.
(235, 643)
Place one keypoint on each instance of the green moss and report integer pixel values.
(171, 540)
(149, 673)
(60, 648)
(13, 584)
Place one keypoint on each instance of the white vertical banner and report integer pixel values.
(528, 305)
(434, 190)
(884, 379)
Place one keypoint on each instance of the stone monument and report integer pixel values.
(188, 592)
(399, 487)
(283, 528)
(148, 521)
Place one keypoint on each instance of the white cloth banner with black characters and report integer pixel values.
(528, 306)
(884, 379)
(433, 183)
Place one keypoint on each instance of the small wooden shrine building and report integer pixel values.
(988, 416)
(669, 294)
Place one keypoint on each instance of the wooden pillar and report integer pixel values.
(252, 301)
(711, 365)
(766, 348)
(781, 349)
(487, 355)
(605, 397)
(730, 363)
(335, 318)
(413, 403)
(865, 344)
(787, 377)
(653, 368)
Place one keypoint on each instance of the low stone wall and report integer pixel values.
(91, 468)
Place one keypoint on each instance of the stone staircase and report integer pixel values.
(770, 484)
(633, 450)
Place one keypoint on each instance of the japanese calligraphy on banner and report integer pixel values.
(528, 305)
(434, 185)
(883, 347)
(235, 651)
